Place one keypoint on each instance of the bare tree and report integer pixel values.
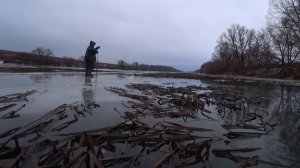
(260, 49)
(289, 10)
(45, 52)
(234, 43)
(135, 65)
(122, 64)
(284, 28)
(279, 43)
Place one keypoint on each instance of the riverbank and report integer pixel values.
(184, 75)
(19, 68)
(223, 78)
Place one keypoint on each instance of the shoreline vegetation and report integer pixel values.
(266, 75)
(223, 78)
(272, 52)
(22, 62)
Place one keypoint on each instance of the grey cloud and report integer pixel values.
(178, 33)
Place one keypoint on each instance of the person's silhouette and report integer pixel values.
(90, 58)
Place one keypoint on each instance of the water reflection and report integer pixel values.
(287, 112)
(277, 106)
(39, 78)
(122, 75)
(280, 105)
(88, 92)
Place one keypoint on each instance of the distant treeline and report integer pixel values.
(144, 67)
(240, 49)
(36, 59)
(45, 57)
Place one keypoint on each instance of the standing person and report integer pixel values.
(90, 58)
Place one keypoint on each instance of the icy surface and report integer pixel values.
(55, 89)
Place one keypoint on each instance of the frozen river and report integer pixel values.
(55, 89)
(279, 103)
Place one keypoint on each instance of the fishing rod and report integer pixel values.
(97, 66)
(96, 69)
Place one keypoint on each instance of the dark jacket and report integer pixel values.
(90, 54)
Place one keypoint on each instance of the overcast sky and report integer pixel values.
(178, 33)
